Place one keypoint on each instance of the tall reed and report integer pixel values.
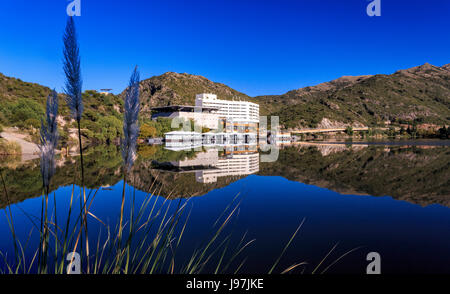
(73, 91)
(130, 135)
(73, 82)
(48, 143)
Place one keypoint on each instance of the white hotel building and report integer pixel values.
(229, 120)
(244, 112)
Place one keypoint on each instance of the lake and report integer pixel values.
(350, 199)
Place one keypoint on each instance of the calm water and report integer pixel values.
(392, 198)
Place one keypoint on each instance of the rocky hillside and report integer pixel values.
(420, 94)
(180, 89)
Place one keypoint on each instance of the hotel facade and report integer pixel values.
(229, 121)
(233, 116)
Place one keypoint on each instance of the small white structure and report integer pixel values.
(283, 138)
(180, 140)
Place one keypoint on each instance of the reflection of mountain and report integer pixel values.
(327, 149)
(418, 175)
(23, 181)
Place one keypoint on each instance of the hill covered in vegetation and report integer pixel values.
(420, 94)
(417, 95)
(23, 105)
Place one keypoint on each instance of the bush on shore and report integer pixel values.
(9, 148)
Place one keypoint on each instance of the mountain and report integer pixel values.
(23, 106)
(180, 89)
(420, 94)
(20, 100)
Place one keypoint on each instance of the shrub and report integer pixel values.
(23, 110)
(32, 122)
(9, 148)
(349, 131)
(111, 127)
(147, 131)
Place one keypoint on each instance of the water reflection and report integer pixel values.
(419, 174)
(212, 163)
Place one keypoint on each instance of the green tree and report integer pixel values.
(349, 131)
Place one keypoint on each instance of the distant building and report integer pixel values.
(228, 109)
(210, 112)
(105, 91)
(235, 116)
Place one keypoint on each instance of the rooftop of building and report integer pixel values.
(183, 108)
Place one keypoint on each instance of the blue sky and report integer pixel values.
(254, 46)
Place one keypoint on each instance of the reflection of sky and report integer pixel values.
(408, 237)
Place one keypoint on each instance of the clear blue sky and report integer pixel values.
(257, 47)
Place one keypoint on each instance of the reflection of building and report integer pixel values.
(240, 149)
(235, 165)
(225, 139)
(181, 140)
(208, 166)
(283, 138)
(203, 160)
